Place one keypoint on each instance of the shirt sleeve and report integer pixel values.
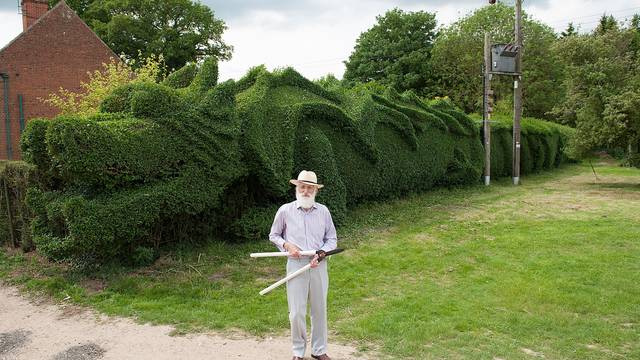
(277, 229)
(330, 236)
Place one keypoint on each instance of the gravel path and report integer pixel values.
(66, 332)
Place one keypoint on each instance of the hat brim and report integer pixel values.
(296, 182)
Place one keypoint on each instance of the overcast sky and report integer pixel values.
(316, 36)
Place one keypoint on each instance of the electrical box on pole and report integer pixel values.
(503, 59)
(506, 59)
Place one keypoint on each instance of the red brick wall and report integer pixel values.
(55, 52)
(32, 10)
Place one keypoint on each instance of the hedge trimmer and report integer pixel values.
(297, 272)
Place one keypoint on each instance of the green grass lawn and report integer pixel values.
(548, 268)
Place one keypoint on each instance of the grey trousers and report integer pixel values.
(313, 285)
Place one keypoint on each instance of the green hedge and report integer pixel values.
(111, 154)
(542, 145)
(177, 161)
(15, 216)
(182, 77)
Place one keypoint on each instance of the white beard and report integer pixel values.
(305, 202)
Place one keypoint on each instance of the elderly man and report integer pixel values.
(298, 226)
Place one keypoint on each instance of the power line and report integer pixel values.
(578, 24)
(588, 16)
(591, 22)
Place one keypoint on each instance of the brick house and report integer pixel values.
(55, 49)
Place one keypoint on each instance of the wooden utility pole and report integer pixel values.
(517, 95)
(487, 111)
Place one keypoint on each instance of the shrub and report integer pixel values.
(107, 154)
(182, 77)
(207, 76)
(161, 164)
(254, 224)
(15, 216)
(543, 145)
(102, 82)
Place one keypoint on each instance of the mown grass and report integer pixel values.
(548, 268)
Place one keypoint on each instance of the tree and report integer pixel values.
(101, 84)
(602, 89)
(457, 59)
(621, 118)
(606, 23)
(569, 32)
(329, 82)
(395, 51)
(181, 30)
(79, 6)
(635, 22)
(634, 27)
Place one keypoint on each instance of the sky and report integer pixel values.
(316, 36)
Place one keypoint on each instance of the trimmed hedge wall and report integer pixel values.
(542, 146)
(183, 160)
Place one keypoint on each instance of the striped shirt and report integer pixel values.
(308, 230)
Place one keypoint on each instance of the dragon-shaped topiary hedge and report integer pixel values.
(190, 157)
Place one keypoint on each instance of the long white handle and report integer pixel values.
(289, 277)
(280, 253)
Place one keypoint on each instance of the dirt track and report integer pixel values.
(30, 330)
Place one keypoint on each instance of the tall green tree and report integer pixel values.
(570, 31)
(635, 22)
(79, 6)
(395, 51)
(602, 88)
(457, 59)
(606, 23)
(181, 30)
(634, 26)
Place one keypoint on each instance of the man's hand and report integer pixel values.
(292, 249)
(314, 261)
(319, 256)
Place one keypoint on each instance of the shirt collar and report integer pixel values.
(298, 206)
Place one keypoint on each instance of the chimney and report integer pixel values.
(32, 10)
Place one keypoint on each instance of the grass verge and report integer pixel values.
(548, 268)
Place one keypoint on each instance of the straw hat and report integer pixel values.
(307, 177)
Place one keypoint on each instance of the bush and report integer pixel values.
(107, 154)
(254, 224)
(182, 77)
(207, 76)
(33, 144)
(101, 83)
(160, 164)
(543, 145)
(15, 216)
(633, 160)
